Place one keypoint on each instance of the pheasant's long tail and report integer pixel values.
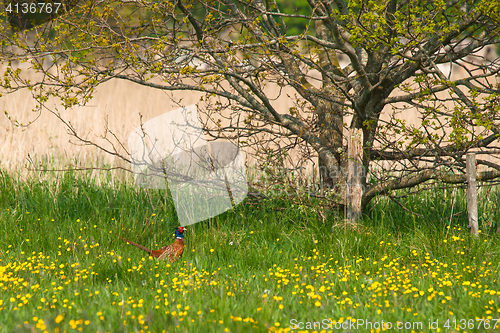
(136, 245)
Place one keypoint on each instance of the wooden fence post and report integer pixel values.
(354, 173)
(472, 193)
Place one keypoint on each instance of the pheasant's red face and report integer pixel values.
(181, 229)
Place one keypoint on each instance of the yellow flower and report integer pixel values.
(59, 318)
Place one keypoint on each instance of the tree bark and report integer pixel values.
(331, 171)
(330, 120)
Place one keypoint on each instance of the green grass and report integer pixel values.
(255, 268)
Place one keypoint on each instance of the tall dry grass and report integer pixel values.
(117, 105)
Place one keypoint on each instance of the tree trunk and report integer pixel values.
(355, 174)
(331, 170)
(330, 121)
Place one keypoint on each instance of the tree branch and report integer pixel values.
(421, 177)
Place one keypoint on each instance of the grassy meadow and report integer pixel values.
(268, 265)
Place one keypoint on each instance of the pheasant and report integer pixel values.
(173, 251)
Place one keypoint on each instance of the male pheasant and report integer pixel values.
(173, 251)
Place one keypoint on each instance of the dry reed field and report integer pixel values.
(117, 104)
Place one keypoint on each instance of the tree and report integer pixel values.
(233, 49)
